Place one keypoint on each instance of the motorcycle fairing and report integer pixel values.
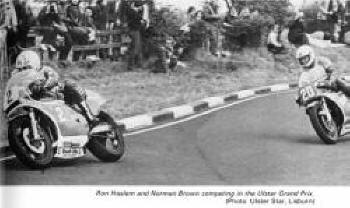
(342, 101)
(71, 127)
(19, 82)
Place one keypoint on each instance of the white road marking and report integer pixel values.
(200, 114)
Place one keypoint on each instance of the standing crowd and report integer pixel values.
(65, 23)
(75, 22)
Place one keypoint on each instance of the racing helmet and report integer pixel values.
(28, 60)
(305, 56)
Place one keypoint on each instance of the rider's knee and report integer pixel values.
(73, 93)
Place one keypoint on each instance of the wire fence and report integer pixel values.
(4, 67)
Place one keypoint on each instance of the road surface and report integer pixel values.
(265, 141)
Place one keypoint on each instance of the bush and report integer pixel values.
(164, 22)
(279, 10)
(253, 32)
(248, 32)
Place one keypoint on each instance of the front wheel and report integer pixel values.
(107, 144)
(326, 128)
(36, 154)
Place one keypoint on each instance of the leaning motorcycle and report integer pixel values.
(328, 109)
(41, 130)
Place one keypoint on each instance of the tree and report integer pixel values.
(279, 10)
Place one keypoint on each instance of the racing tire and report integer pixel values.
(98, 144)
(318, 124)
(22, 151)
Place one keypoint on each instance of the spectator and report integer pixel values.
(88, 21)
(49, 15)
(254, 14)
(25, 21)
(113, 14)
(297, 34)
(245, 12)
(77, 29)
(51, 18)
(61, 8)
(200, 16)
(10, 24)
(333, 10)
(211, 18)
(114, 23)
(190, 19)
(198, 32)
(99, 15)
(73, 13)
(118, 12)
(274, 44)
(9, 18)
(17, 35)
(167, 55)
(137, 18)
(191, 14)
(233, 13)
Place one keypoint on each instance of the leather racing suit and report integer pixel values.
(323, 68)
(47, 85)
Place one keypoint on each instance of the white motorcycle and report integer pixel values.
(328, 110)
(40, 130)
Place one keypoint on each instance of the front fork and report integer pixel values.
(33, 124)
(325, 110)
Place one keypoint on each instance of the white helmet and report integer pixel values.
(28, 60)
(306, 56)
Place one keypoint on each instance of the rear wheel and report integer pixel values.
(325, 126)
(106, 145)
(36, 154)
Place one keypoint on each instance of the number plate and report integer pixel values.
(70, 152)
(307, 92)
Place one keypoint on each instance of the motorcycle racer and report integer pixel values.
(315, 68)
(47, 83)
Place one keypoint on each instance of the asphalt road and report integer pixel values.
(265, 141)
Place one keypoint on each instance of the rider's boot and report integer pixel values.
(86, 112)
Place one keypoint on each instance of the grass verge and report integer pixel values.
(137, 92)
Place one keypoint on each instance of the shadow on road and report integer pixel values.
(301, 139)
(16, 165)
(315, 140)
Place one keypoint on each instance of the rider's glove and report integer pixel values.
(327, 84)
(37, 87)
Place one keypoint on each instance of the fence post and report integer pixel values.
(110, 41)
